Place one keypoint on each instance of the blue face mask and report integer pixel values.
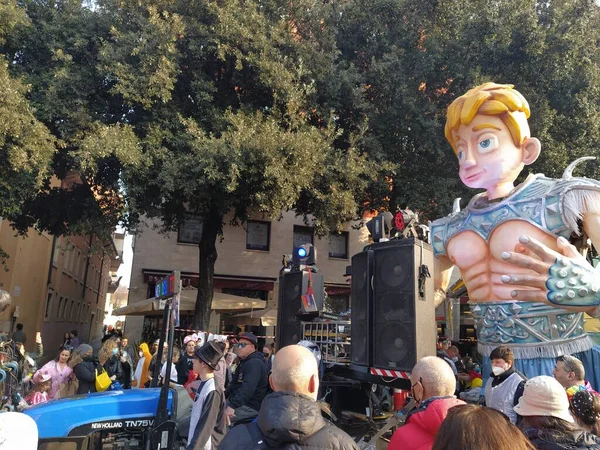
(115, 351)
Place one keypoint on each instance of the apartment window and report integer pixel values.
(338, 245)
(72, 311)
(303, 235)
(78, 265)
(190, 230)
(66, 310)
(48, 305)
(258, 235)
(56, 251)
(77, 312)
(60, 307)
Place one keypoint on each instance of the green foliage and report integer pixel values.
(168, 106)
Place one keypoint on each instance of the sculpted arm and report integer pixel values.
(442, 271)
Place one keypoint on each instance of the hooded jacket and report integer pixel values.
(142, 368)
(85, 372)
(249, 384)
(289, 421)
(422, 426)
(578, 439)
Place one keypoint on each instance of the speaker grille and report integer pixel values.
(361, 308)
(395, 346)
(394, 307)
(394, 268)
(289, 327)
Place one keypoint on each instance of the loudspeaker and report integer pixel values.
(292, 286)
(361, 307)
(404, 327)
(393, 326)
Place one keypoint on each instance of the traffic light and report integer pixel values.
(305, 255)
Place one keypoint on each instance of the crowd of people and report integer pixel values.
(545, 412)
(246, 396)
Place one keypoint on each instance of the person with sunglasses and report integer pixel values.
(432, 387)
(59, 370)
(249, 385)
(570, 373)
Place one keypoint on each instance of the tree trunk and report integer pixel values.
(211, 226)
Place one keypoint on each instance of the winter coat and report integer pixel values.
(249, 384)
(114, 366)
(85, 372)
(289, 421)
(579, 439)
(421, 427)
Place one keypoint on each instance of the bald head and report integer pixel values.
(295, 370)
(435, 375)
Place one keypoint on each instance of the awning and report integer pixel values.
(264, 317)
(220, 302)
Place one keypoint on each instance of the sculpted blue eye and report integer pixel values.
(460, 155)
(488, 145)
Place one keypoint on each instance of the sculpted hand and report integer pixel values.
(565, 278)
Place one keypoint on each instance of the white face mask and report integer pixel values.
(141, 354)
(498, 370)
(455, 359)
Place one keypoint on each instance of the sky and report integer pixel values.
(125, 268)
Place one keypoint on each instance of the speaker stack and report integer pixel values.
(393, 323)
(292, 286)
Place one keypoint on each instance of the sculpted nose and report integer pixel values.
(468, 158)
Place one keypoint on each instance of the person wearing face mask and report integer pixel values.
(432, 387)
(140, 377)
(112, 362)
(505, 385)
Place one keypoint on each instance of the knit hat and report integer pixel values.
(544, 396)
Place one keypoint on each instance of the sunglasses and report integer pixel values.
(68, 348)
(241, 344)
(566, 363)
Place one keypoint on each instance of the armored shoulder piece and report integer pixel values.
(552, 205)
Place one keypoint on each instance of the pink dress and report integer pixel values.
(59, 376)
(38, 397)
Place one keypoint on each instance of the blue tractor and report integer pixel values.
(114, 420)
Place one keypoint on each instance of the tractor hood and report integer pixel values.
(83, 414)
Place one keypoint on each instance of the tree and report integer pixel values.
(217, 94)
(402, 62)
(54, 49)
(26, 145)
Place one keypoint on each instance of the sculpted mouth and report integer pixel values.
(472, 176)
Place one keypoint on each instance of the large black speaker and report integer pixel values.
(398, 320)
(292, 286)
(361, 302)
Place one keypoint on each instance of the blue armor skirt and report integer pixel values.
(537, 334)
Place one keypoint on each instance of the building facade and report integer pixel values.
(248, 263)
(57, 284)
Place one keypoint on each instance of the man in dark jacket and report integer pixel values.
(290, 417)
(249, 385)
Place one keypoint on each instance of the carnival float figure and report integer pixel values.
(528, 286)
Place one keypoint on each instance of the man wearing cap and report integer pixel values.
(208, 422)
(249, 384)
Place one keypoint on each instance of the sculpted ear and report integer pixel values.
(531, 150)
